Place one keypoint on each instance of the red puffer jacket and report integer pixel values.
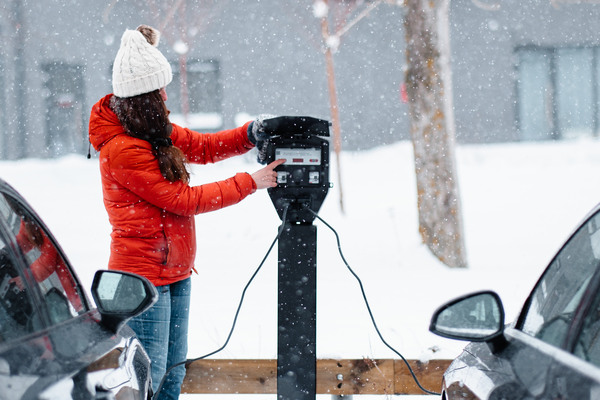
(153, 232)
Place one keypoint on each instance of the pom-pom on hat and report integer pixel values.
(139, 66)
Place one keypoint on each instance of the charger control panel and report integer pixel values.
(303, 180)
(302, 166)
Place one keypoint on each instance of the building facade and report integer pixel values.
(522, 70)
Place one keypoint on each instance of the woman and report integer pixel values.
(147, 195)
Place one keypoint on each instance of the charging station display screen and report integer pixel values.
(299, 156)
(303, 180)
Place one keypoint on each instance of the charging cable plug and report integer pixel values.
(294, 204)
(304, 203)
(285, 202)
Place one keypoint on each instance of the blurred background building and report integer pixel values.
(522, 70)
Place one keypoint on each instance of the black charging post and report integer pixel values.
(302, 184)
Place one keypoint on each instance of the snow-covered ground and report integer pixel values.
(520, 202)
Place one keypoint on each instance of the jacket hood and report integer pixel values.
(104, 124)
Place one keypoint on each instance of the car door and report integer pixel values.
(40, 303)
(552, 351)
(558, 319)
(52, 344)
(578, 374)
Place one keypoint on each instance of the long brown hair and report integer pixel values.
(146, 117)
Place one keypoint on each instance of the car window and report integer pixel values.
(587, 345)
(551, 306)
(17, 318)
(46, 266)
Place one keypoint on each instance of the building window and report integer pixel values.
(65, 110)
(557, 91)
(195, 95)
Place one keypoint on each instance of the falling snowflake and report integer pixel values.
(320, 9)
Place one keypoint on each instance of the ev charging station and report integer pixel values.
(302, 184)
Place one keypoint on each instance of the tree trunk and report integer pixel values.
(429, 89)
(333, 105)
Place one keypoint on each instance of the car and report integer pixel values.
(551, 350)
(54, 344)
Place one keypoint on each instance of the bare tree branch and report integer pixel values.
(172, 11)
(107, 10)
(302, 26)
(360, 16)
(485, 6)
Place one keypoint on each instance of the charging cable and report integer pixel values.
(362, 290)
(237, 312)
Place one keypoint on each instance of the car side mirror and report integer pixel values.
(120, 296)
(477, 317)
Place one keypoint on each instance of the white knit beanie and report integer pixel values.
(139, 66)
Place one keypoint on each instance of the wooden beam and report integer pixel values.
(429, 375)
(363, 376)
(335, 377)
(231, 376)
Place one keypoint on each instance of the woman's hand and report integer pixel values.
(17, 281)
(267, 177)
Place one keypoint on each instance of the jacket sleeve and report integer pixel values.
(204, 148)
(136, 169)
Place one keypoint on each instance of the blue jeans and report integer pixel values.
(163, 330)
